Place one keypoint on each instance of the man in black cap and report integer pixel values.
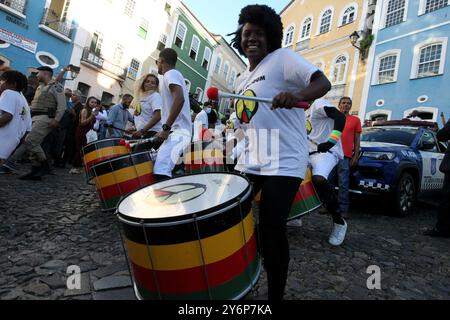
(47, 109)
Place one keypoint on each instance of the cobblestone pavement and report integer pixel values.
(45, 227)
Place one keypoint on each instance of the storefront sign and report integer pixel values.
(18, 41)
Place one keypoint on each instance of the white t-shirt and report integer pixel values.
(280, 134)
(320, 126)
(13, 102)
(200, 122)
(183, 123)
(202, 117)
(149, 105)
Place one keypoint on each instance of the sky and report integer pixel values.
(221, 16)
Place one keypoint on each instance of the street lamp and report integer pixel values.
(74, 72)
(354, 37)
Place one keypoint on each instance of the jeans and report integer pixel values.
(342, 173)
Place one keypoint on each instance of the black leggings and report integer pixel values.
(277, 196)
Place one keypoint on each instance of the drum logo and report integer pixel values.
(176, 194)
(246, 110)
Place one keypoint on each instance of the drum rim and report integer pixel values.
(191, 217)
(118, 158)
(99, 141)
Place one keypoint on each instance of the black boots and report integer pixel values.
(37, 173)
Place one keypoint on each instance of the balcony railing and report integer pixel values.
(302, 45)
(337, 91)
(97, 61)
(16, 5)
(53, 21)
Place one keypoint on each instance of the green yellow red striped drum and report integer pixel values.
(192, 237)
(205, 157)
(118, 177)
(101, 150)
(306, 200)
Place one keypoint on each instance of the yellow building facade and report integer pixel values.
(319, 30)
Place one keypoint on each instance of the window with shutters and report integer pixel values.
(206, 58)
(195, 46)
(180, 35)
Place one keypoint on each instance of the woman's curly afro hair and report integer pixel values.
(265, 17)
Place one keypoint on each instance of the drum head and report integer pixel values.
(181, 198)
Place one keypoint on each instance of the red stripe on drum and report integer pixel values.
(305, 191)
(230, 290)
(126, 187)
(304, 206)
(92, 163)
(193, 280)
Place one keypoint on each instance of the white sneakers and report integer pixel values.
(75, 171)
(338, 234)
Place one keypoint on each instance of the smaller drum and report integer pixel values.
(101, 150)
(192, 238)
(118, 177)
(306, 200)
(205, 157)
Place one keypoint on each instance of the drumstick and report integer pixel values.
(112, 127)
(215, 94)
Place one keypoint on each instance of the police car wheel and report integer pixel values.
(405, 195)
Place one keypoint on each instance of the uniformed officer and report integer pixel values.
(47, 109)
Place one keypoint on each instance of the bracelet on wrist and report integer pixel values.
(335, 137)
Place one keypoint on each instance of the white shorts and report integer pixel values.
(169, 153)
(323, 163)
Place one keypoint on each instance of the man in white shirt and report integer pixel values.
(325, 124)
(201, 121)
(15, 114)
(175, 116)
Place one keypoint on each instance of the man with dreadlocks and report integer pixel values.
(276, 130)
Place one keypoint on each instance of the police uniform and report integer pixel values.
(49, 104)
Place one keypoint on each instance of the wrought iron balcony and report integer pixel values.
(97, 61)
(337, 91)
(52, 20)
(302, 45)
(16, 5)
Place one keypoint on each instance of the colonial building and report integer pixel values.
(227, 65)
(195, 46)
(410, 66)
(115, 43)
(320, 31)
(35, 33)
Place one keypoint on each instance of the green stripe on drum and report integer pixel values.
(233, 289)
(110, 204)
(304, 207)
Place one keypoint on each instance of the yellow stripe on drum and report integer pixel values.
(188, 255)
(308, 177)
(105, 152)
(124, 174)
(205, 154)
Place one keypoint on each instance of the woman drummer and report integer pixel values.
(276, 156)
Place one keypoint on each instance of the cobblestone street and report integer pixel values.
(45, 227)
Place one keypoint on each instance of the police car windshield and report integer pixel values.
(403, 136)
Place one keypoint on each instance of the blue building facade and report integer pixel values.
(410, 61)
(35, 33)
